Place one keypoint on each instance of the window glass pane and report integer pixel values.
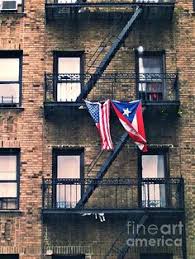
(69, 65)
(8, 204)
(68, 92)
(8, 167)
(9, 69)
(68, 195)
(153, 166)
(9, 93)
(150, 64)
(153, 195)
(68, 166)
(8, 190)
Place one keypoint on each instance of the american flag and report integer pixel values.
(101, 116)
(130, 116)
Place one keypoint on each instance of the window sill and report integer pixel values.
(12, 212)
(14, 14)
(6, 108)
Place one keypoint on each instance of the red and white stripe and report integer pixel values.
(104, 126)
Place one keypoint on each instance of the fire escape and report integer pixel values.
(141, 213)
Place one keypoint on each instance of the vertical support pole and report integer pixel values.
(45, 88)
(176, 87)
(184, 245)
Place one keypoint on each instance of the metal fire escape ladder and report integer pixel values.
(89, 191)
(94, 162)
(120, 247)
(111, 53)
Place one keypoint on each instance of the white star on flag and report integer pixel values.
(126, 112)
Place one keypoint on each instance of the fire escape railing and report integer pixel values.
(162, 9)
(114, 193)
(108, 3)
(149, 86)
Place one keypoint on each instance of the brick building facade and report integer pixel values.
(54, 54)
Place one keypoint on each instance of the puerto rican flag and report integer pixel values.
(130, 116)
(101, 116)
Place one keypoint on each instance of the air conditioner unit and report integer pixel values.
(9, 6)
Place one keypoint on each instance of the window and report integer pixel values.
(9, 178)
(150, 80)
(10, 78)
(68, 166)
(11, 5)
(156, 256)
(67, 70)
(153, 171)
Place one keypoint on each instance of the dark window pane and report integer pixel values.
(9, 256)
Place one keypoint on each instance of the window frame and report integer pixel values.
(12, 152)
(11, 54)
(153, 151)
(65, 152)
(162, 55)
(66, 54)
(15, 11)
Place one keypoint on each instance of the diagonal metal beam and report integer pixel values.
(89, 191)
(123, 251)
(119, 246)
(108, 57)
